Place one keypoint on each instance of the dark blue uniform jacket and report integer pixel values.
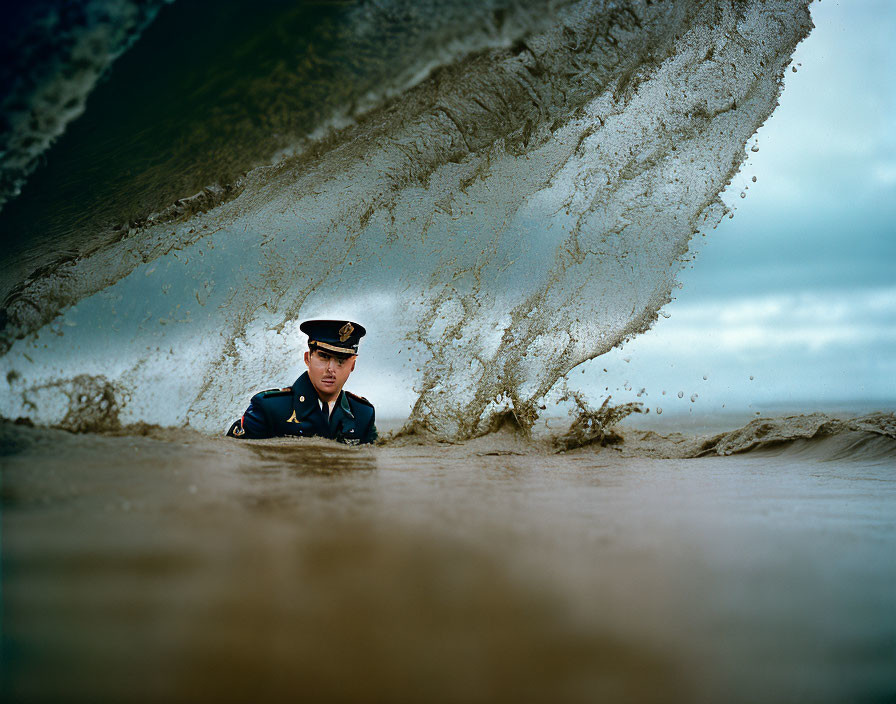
(296, 411)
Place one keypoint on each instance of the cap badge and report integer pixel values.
(346, 331)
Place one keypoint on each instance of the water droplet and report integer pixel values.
(751, 377)
(693, 398)
(754, 148)
(681, 394)
(659, 411)
(754, 179)
(705, 377)
(743, 195)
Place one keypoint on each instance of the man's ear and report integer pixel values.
(354, 359)
(307, 358)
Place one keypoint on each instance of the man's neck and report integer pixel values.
(327, 407)
(328, 400)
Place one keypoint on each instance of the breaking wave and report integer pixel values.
(517, 208)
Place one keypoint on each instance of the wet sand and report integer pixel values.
(179, 567)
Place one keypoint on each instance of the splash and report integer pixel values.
(594, 427)
(518, 211)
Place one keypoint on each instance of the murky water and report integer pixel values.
(184, 568)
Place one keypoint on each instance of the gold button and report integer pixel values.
(301, 399)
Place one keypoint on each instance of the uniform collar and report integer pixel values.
(306, 401)
(343, 404)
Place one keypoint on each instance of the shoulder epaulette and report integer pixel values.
(275, 392)
(359, 398)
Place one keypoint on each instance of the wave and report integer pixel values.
(187, 114)
(54, 53)
(871, 437)
(516, 212)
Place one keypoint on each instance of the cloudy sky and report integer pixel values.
(792, 302)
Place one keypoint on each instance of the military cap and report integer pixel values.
(339, 337)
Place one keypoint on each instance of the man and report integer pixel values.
(315, 404)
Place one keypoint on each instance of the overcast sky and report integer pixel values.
(798, 290)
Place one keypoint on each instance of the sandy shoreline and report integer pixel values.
(189, 568)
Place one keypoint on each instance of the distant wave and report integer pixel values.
(516, 212)
(53, 54)
(817, 435)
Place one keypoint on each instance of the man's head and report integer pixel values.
(328, 372)
(332, 350)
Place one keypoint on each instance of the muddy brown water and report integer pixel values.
(178, 567)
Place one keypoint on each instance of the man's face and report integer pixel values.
(328, 372)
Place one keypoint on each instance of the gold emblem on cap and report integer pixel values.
(346, 331)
